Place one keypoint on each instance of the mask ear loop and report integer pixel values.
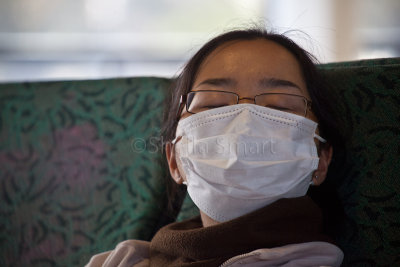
(175, 140)
(319, 138)
(312, 182)
(183, 182)
(323, 141)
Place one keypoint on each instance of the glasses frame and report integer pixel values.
(183, 100)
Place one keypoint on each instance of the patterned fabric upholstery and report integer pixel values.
(366, 176)
(78, 171)
(80, 166)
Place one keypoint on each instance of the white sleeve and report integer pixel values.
(127, 254)
(294, 255)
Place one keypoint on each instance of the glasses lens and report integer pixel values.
(284, 102)
(204, 100)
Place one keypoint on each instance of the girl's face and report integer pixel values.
(250, 68)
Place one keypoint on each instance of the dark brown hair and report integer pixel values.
(321, 105)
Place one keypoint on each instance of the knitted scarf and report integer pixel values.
(188, 243)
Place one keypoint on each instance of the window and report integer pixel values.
(90, 39)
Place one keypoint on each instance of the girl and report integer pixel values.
(249, 131)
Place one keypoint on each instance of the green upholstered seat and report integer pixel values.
(78, 173)
(80, 166)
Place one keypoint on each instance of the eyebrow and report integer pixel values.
(223, 82)
(265, 83)
(273, 82)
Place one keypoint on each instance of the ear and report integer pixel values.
(325, 158)
(173, 166)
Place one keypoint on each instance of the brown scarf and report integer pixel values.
(188, 243)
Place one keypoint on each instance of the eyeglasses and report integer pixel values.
(198, 101)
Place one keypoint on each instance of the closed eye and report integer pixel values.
(277, 107)
(215, 106)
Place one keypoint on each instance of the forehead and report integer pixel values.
(247, 62)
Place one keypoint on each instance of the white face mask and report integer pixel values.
(240, 158)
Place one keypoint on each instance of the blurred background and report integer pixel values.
(90, 39)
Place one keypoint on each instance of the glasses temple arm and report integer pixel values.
(182, 102)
